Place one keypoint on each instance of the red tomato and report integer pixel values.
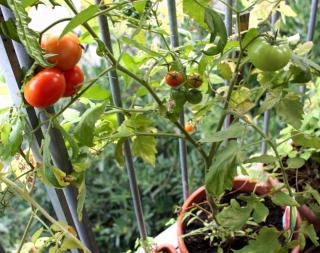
(45, 88)
(68, 50)
(189, 126)
(74, 80)
(174, 78)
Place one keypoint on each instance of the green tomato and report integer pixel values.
(194, 96)
(268, 57)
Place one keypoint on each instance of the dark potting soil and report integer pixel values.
(198, 244)
(309, 173)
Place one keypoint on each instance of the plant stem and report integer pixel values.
(24, 195)
(26, 231)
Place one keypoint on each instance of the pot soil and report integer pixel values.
(196, 244)
(165, 248)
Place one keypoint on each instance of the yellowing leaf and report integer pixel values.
(286, 10)
(304, 48)
(145, 147)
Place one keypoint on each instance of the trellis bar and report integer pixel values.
(13, 59)
(174, 42)
(116, 96)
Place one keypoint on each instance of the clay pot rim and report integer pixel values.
(165, 247)
(200, 194)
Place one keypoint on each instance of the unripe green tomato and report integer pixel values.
(268, 57)
(194, 96)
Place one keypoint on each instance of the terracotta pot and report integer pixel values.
(166, 248)
(240, 184)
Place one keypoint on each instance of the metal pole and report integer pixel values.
(228, 24)
(13, 59)
(116, 96)
(311, 28)
(174, 41)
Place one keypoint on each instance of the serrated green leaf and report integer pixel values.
(295, 162)
(223, 169)
(9, 30)
(308, 230)
(290, 110)
(250, 36)
(266, 242)
(190, 5)
(27, 36)
(69, 243)
(283, 199)
(73, 144)
(82, 193)
(80, 18)
(305, 140)
(84, 131)
(140, 6)
(268, 103)
(234, 131)
(234, 217)
(36, 235)
(97, 92)
(224, 70)
(217, 29)
(145, 147)
(27, 3)
(262, 159)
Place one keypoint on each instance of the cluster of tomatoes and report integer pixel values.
(64, 79)
(184, 89)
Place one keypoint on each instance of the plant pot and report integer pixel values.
(166, 248)
(240, 184)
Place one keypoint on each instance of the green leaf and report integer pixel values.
(234, 217)
(189, 7)
(84, 131)
(80, 18)
(118, 152)
(82, 192)
(266, 242)
(295, 162)
(305, 140)
(145, 147)
(223, 169)
(250, 36)
(27, 36)
(27, 3)
(9, 30)
(308, 230)
(217, 29)
(224, 70)
(140, 6)
(315, 194)
(70, 139)
(68, 243)
(290, 110)
(37, 234)
(268, 103)
(141, 47)
(97, 92)
(283, 199)
(262, 159)
(234, 131)
(260, 211)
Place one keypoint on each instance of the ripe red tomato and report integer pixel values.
(174, 78)
(189, 126)
(45, 88)
(67, 48)
(74, 79)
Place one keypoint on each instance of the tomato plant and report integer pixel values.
(174, 78)
(67, 50)
(74, 79)
(268, 57)
(45, 88)
(194, 96)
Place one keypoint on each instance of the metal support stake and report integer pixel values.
(311, 27)
(13, 59)
(228, 24)
(174, 41)
(116, 96)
